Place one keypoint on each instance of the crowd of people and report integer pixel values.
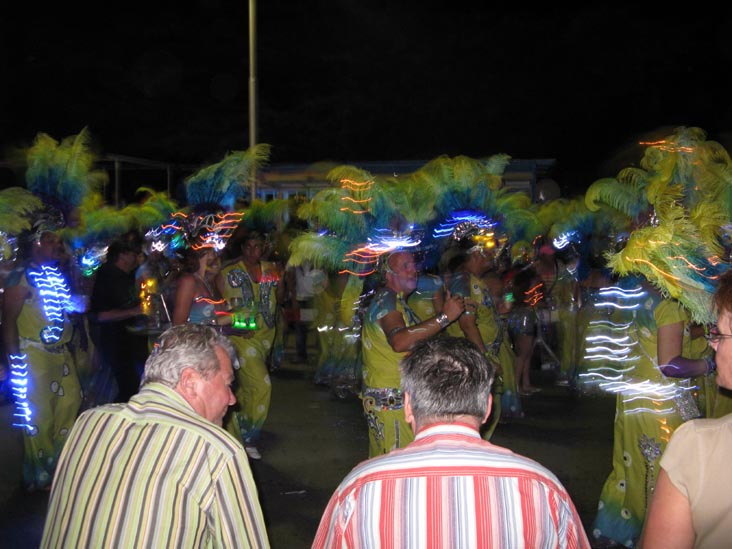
(149, 340)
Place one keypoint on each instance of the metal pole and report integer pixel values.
(253, 87)
(116, 182)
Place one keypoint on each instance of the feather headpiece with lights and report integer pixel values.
(468, 192)
(212, 194)
(673, 199)
(62, 174)
(355, 223)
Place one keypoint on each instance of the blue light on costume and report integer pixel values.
(91, 260)
(461, 216)
(19, 384)
(565, 239)
(55, 300)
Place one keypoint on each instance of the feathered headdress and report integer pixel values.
(673, 200)
(62, 174)
(355, 223)
(212, 193)
(17, 206)
(468, 192)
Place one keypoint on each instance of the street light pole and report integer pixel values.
(253, 88)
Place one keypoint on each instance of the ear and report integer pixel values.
(408, 415)
(188, 383)
(488, 411)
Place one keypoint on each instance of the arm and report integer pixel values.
(669, 524)
(119, 314)
(402, 338)
(13, 301)
(184, 294)
(470, 328)
(669, 349)
(236, 514)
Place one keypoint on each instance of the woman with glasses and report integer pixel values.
(691, 506)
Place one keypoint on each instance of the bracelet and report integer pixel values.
(711, 364)
(442, 320)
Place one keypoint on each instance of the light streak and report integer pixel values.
(22, 413)
(652, 266)
(55, 299)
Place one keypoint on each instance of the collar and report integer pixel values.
(156, 391)
(462, 429)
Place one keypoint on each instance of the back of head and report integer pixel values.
(446, 377)
(185, 346)
(120, 246)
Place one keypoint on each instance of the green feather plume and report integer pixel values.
(16, 206)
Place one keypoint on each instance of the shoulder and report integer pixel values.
(669, 311)
(383, 302)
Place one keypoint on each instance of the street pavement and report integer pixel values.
(313, 438)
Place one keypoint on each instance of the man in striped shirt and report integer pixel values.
(160, 471)
(449, 488)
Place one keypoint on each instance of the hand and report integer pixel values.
(454, 306)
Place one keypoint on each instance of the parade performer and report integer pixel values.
(390, 330)
(469, 201)
(42, 326)
(210, 221)
(36, 332)
(257, 284)
(343, 239)
(667, 270)
(16, 206)
(482, 322)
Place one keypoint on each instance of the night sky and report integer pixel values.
(350, 81)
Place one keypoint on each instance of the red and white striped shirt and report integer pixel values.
(450, 488)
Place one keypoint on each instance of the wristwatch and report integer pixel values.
(442, 320)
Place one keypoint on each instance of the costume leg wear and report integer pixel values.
(387, 428)
(253, 389)
(54, 398)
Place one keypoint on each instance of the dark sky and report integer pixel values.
(350, 80)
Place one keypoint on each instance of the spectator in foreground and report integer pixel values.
(160, 471)
(449, 487)
(691, 506)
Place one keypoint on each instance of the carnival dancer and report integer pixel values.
(390, 330)
(667, 270)
(649, 406)
(197, 300)
(256, 283)
(482, 322)
(36, 330)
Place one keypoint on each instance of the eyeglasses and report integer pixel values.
(713, 336)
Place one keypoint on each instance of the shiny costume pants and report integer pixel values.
(388, 429)
(253, 390)
(54, 398)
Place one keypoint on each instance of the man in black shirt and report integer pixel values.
(115, 303)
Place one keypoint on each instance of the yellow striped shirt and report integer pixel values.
(152, 473)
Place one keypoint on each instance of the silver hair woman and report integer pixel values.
(446, 377)
(185, 346)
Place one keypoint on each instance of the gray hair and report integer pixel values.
(446, 377)
(186, 346)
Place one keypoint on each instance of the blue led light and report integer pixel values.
(19, 384)
(55, 300)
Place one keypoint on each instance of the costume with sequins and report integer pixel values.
(254, 388)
